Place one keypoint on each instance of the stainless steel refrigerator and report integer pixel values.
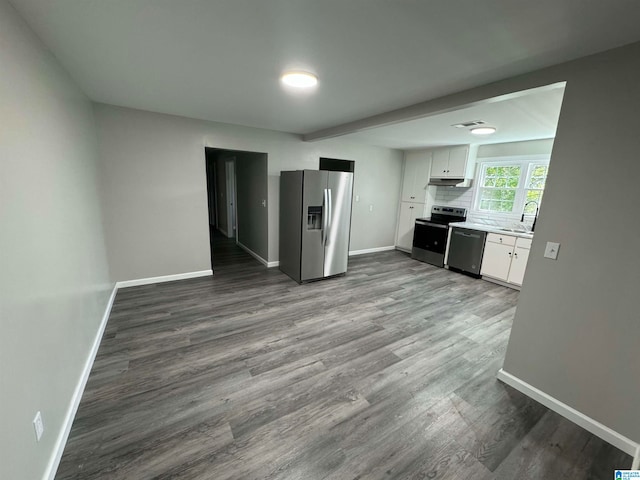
(315, 223)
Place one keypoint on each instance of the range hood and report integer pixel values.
(451, 182)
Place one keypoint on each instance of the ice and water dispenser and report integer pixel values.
(314, 218)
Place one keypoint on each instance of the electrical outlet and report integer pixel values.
(38, 426)
(357, 198)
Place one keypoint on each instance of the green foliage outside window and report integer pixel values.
(535, 187)
(499, 188)
(505, 188)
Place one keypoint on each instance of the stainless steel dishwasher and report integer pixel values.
(465, 250)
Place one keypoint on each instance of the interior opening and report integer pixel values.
(237, 203)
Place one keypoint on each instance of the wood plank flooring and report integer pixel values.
(385, 373)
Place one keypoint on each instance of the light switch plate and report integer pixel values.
(551, 250)
(357, 198)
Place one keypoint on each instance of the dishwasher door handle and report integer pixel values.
(470, 235)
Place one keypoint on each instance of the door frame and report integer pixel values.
(230, 173)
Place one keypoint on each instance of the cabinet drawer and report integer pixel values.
(501, 239)
(524, 243)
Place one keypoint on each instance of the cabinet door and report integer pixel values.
(408, 214)
(458, 161)
(496, 260)
(518, 265)
(421, 173)
(409, 181)
(440, 163)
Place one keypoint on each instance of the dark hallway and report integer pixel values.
(227, 257)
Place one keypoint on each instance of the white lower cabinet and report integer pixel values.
(518, 264)
(496, 260)
(408, 213)
(505, 258)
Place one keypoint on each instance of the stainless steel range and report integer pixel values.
(430, 234)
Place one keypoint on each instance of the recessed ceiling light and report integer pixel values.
(299, 79)
(483, 130)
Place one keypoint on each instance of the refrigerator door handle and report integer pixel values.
(330, 219)
(325, 206)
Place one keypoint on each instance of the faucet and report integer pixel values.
(533, 226)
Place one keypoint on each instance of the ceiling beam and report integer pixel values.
(493, 92)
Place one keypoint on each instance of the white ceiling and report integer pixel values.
(220, 59)
(530, 115)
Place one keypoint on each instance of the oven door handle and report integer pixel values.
(434, 225)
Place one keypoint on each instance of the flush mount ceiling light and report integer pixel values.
(299, 79)
(483, 130)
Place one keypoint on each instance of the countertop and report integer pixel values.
(490, 229)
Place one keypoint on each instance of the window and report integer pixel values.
(499, 187)
(507, 186)
(536, 180)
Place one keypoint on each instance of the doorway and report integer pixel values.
(237, 201)
(230, 196)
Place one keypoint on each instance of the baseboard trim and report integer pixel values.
(252, 253)
(405, 250)
(605, 433)
(273, 264)
(500, 282)
(63, 436)
(163, 278)
(371, 250)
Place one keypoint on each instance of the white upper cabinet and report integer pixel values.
(453, 162)
(458, 157)
(440, 164)
(416, 176)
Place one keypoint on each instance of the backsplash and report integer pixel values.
(463, 197)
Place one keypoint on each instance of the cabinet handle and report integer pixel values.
(500, 239)
(509, 253)
(515, 255)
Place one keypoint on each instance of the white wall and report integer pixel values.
(54, 282)
(154, 188)
(465, 197)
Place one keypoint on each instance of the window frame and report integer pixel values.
(526, 164)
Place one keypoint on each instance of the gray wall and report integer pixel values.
(154, 187)
(251, 189)
(576, 330)
(54, 282)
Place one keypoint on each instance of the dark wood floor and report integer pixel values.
(388, 372)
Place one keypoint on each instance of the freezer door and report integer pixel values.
(291, 223)
(336, 250)
(314, 227)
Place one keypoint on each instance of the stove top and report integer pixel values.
(442, 215)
